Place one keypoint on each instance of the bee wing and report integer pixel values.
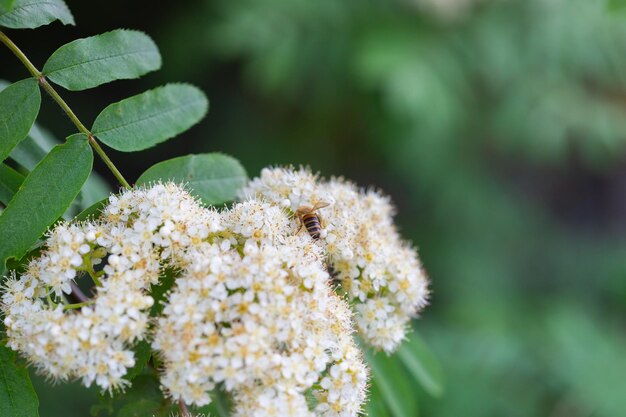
(320, 204)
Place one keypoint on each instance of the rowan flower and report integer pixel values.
(139, 231)
(380, 273)
(253, 311)
(92, 343)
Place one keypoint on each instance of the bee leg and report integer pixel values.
(300, 223)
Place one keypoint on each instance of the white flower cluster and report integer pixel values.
(251, 309)
(380, 273)
(137, 232)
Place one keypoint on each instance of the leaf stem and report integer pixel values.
(43, 82)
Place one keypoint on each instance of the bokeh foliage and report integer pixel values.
(498, 127)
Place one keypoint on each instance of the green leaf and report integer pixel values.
(219, 406)
(422, 364)
(19, 105)
(159, 291)
(94, 191)
(34, 147)
(17, 395)
(92, 211)
(10, 181)
(616, 5)
(29, 14)
(585, 354)
(375, 402)
(394, 384)
(19, 266)
(44, 196)
(154, 116)
(5, 5)
(222, 403)
(90, 62)
(104, 407)
(143, 398)
(214, 178)
(142, 351)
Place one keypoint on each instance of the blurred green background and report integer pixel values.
(498, 127)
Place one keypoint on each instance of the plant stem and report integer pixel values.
(59, 100)
(77, 305)
(183, 408)
(95, 280)
(93, 274)
(56, 97)
(49, 298)
(107, 161)
(20, 55)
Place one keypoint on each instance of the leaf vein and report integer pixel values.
(99, 59)
(6, 384)
(35, 4)
(218, 179)
(16, 109)
(150, 116)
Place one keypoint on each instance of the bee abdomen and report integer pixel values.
(312, 224)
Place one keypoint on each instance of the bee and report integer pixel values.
(309, 218)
